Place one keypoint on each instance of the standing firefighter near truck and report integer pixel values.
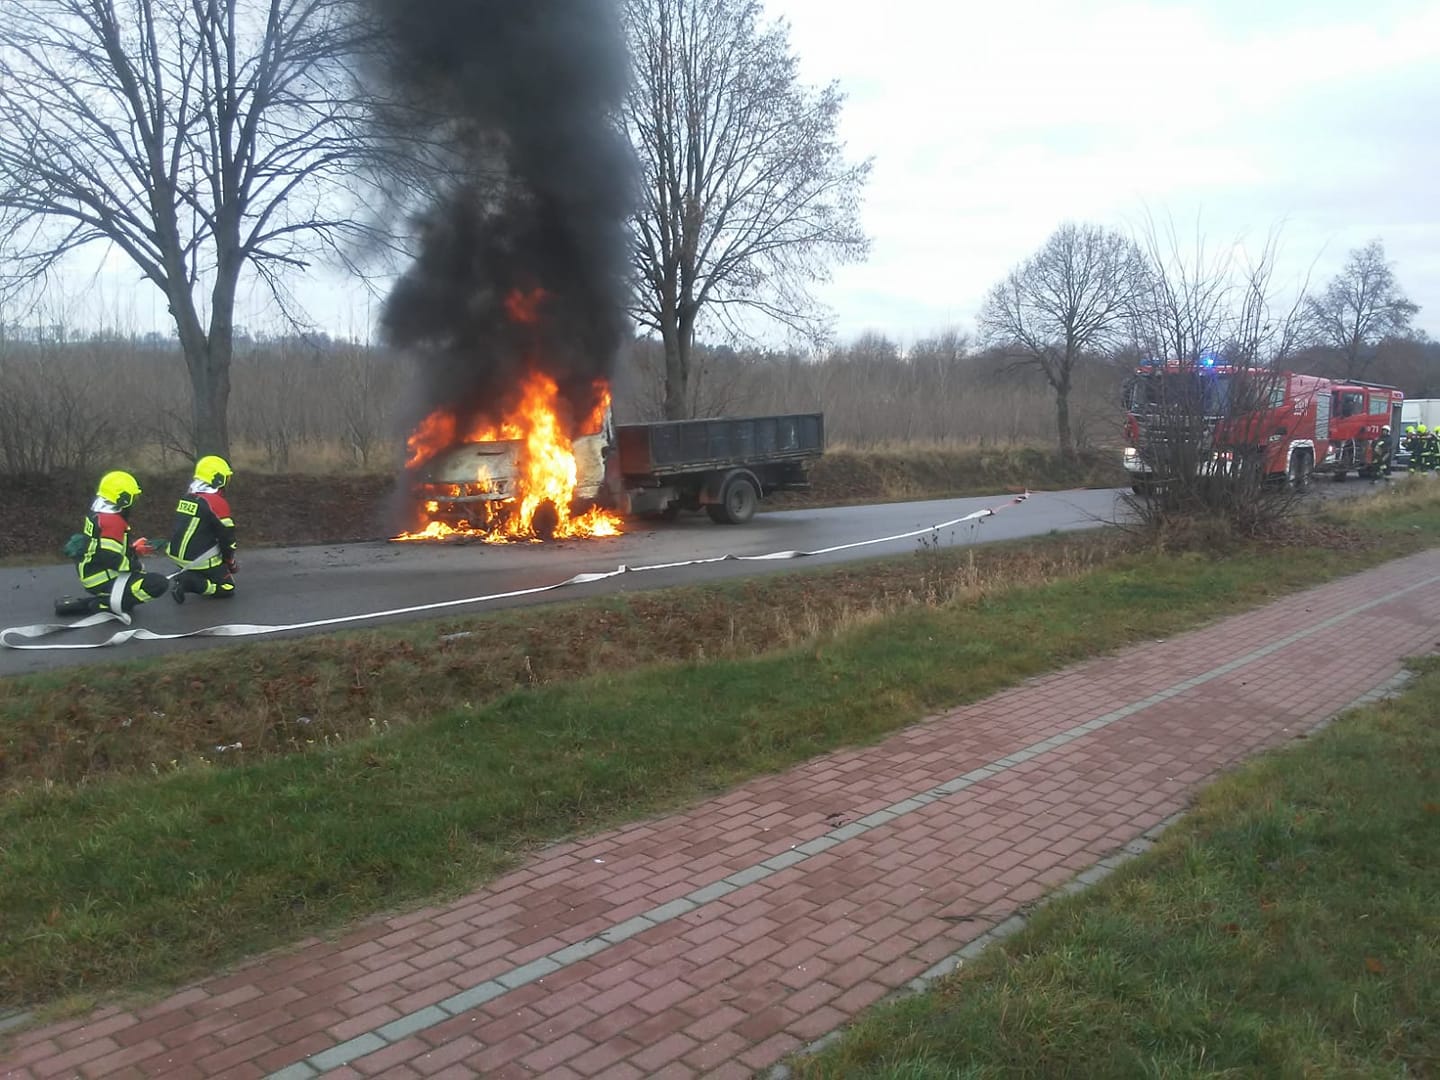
(203, 540)
(1380, 456)
(106, 558)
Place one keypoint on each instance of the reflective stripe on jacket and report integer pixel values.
(204, 533)
(107, 551)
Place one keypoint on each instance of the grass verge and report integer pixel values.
(147, 879)
(1287, 927)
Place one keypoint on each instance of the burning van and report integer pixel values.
(523, 478)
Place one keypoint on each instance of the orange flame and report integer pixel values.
(546, 460)
(524, 307)
(434, 433)
(596, 421)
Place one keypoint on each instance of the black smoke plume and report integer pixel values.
(516, 103)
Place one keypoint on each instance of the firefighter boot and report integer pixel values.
(78, 605)
(187, 581)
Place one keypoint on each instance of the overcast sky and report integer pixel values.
(991, 123)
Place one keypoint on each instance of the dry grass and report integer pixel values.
(936, 470)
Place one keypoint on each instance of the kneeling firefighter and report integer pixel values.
(107, 560)
(203, 541)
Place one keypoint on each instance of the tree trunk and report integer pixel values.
(210, 380)
(678, 342)
(210, 390)
(1062, 422)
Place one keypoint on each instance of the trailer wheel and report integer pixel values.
(737, 502)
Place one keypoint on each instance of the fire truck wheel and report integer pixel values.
(1300, 469)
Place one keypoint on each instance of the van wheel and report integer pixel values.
(545, 521)
(737, 502)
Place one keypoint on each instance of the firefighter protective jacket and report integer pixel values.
(204, 533)
(108, 550)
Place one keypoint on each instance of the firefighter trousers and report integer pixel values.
(215, 581)
(132, 588)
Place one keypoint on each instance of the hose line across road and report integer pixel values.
(717, 940)
(310, 590)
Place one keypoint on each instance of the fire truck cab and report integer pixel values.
(1359, 413)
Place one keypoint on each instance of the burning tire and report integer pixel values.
(545, 521)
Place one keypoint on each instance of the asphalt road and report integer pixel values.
(301, 584)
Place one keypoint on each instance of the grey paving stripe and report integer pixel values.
(522, 975)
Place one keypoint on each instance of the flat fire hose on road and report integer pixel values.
(23, 637)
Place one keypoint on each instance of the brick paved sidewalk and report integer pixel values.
(716, 941)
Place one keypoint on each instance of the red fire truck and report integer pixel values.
(1307, 425)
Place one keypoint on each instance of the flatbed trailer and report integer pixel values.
(724, 465)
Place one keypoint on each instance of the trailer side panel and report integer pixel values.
(674, 447)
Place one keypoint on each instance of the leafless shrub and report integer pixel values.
(873, 393)
(57, 416)
(1202, 407)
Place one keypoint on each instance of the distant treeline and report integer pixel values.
(313, 403)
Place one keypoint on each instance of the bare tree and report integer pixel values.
(201, 138)
(1204, 404)
(1362, 306)
(1070, 299)
(746, 195)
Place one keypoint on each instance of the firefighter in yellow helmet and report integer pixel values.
(202, 542)
(1412, 447)
(107, 558)
(1429, 448)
